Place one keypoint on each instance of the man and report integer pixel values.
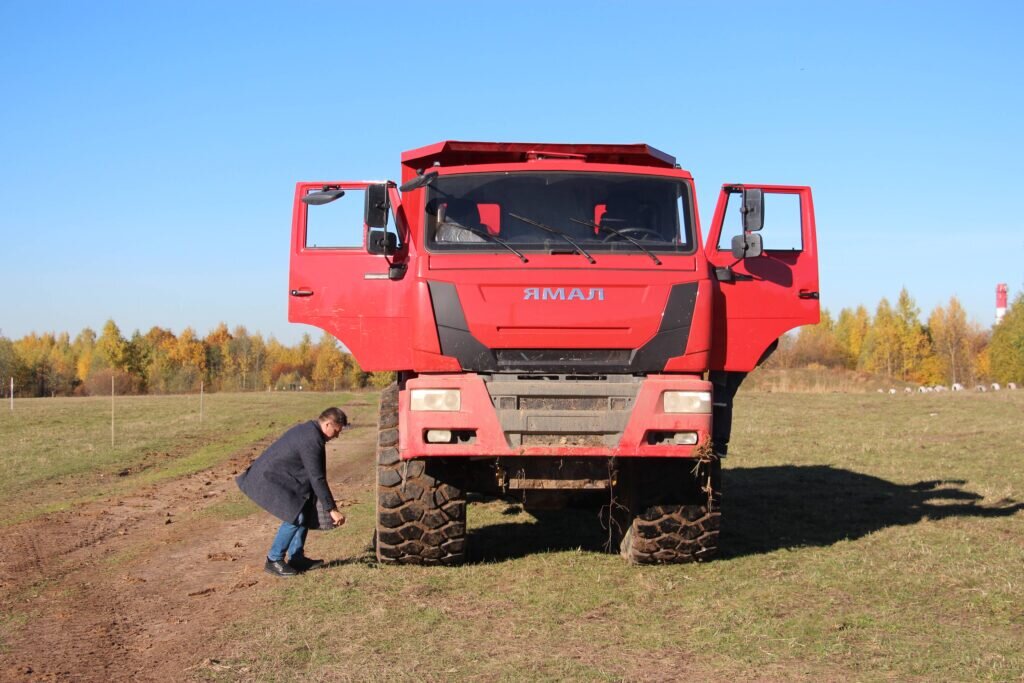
(289, 480)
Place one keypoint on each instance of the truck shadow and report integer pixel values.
(772, 508)
(764, 509)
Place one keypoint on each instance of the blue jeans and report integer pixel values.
(290, 538)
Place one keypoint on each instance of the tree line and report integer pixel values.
(894, 342)
(160, 362)
(945, 348)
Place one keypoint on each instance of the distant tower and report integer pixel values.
(1000, 302)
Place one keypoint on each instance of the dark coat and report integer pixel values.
(291, 476)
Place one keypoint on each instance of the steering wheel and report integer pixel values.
(636, 233)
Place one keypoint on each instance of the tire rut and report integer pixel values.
(96, 593)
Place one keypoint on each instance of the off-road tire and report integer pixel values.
(421, 512)
(674, 518)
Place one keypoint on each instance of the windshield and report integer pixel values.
(552, 212)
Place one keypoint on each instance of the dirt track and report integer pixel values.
(132, 588)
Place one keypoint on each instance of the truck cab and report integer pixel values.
(556, 320)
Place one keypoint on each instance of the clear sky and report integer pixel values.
(149, 150)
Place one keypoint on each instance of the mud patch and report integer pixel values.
(134, 587)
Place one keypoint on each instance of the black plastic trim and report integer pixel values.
(674, 332)
(457, 341)
(453, 332)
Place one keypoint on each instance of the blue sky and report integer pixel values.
(148, 151)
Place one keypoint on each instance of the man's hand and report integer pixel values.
(337, 517)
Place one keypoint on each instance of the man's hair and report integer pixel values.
(334, 415)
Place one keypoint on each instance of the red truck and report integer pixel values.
(558, 329)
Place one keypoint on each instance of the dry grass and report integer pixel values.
(59, 449)
(866, 538)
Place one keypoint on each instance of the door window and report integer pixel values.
(337, 225)
(782, 227)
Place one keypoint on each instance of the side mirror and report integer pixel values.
(324, 196)
(418, 181)
(753, 209)
(382, 242)
(747, 245)
(375, 214)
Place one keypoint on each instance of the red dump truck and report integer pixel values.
(558, 327)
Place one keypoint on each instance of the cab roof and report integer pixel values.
(459, 153)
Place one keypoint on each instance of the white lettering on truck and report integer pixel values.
(558, 294)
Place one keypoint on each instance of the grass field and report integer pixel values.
(60, 448)
(865, 537)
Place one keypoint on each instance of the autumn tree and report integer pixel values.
(381, 380)
(138, 355)
(34, 376)
(1006, 349)
(217, 345)
(329, 370)
(10, 365)
(882, 343)
(83, 348)
(157, 345)
(179, 363)
(111, 347)
(62, 366)
(237, 372)
(355, 378)
(851, 329)
(259, 364)
(913, 342)
(951, 338)
(813, 344)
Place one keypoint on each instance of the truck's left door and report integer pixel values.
(336, 284)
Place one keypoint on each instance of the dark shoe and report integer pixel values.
(304, 564)
(279, 568)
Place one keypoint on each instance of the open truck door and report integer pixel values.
(763, 250)
(348, 254)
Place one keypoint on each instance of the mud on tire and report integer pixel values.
(670, 512)
(421, 510)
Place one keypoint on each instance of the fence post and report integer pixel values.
(200, 402)
(111, 410)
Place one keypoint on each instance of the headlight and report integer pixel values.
(436, 399)
(687, 401)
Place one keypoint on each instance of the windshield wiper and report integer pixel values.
(494, 238)
(553, 231)
(621, 234)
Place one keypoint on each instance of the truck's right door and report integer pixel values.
(758, 299)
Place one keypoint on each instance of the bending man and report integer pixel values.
(289, 480)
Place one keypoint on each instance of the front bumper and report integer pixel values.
(554, 418)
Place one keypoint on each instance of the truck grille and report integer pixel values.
(563, 440)
(561, 360)
(562, 413)
(563, 403)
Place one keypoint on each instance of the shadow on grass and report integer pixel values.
(366, 557)
(763, 509)
(771, 508)
(553, 531)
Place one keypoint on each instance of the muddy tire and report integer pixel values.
(671, 512)
(421, 509)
